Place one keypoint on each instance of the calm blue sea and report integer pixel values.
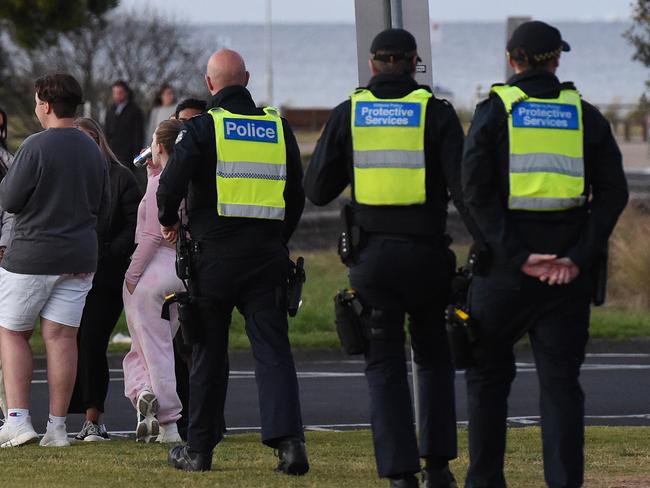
(316, 65)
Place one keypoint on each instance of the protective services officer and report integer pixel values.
(240, 168)
(542, 177)
(400, 148)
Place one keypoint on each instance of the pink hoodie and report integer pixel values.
(147, 233)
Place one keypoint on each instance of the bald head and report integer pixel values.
(225, 68)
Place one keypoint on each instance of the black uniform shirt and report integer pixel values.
(580, 234)
(331, 170)
(191, 170)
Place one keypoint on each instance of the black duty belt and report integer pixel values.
(435, 241)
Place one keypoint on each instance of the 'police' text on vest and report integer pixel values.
(251, 130)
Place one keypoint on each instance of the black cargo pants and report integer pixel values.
(394, 276)
(256, 285)
(505, 306)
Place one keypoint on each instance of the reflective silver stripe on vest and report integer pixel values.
(254, 211)
(389, 159)
(546, 163)
(536, 203)
(260, 171)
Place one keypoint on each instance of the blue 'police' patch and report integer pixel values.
(535, 115)
(387, 114)
(251, 130)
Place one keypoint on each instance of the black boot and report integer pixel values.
(293, 457)
(438, 477)
(180, 457)
(408, 481)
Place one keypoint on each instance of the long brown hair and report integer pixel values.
(167, 132)
(3, 145)
(157, 99)
(93, 128)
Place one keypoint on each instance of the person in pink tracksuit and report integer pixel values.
(149, 376)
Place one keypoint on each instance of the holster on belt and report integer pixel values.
(296, 279)
(462, 332)
(350, 237)
(183, 254)
(349, 326)
(187, 316)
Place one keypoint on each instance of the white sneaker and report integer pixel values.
(14, 435)
(169, 434)
(55, 437)
(148, 427)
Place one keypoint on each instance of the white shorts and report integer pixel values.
(23, 297)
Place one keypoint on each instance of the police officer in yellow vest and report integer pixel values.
(543, 180)
(241, 171)
(399, 147)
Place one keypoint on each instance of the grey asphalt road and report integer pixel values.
(334, 393)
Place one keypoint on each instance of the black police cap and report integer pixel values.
(537, 40)
(393, 45)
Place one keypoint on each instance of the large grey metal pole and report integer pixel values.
(371, 18)
(511, 24)
(415, 19)
(397, 21)
(268, 27)
(387, 14)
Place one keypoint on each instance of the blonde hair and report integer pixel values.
(93, 128)
(167, 132)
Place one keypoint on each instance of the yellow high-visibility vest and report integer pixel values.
(388, 148)
(546, 150)
(251, 164)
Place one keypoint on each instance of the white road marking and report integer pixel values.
(610, 417)
(612, 367)
(530, 367)
(44, 371)
(521, 368)
(535, 419)
(520, 365)
(618, 355)
(523, 420)
(322, 429)
(345, 361)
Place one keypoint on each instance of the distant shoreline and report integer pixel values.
(558, 23)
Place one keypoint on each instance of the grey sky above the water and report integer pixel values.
(245, 11)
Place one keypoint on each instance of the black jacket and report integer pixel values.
(331, 167)
(580, 234)
(125, 198)
(118, 242)
(191, 170)
(124, 132)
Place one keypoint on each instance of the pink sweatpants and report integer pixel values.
(150, 362)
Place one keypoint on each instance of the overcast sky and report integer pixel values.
(238, 11)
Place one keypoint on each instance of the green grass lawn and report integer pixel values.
(314, 325)
(615, 457)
